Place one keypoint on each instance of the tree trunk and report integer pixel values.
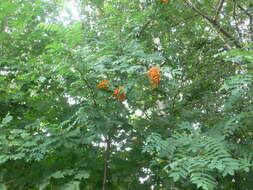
(106, 162)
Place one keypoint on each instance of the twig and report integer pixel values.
(250, 18)
(245, 11)
(88, 85)
(219, 7)
(150, 19)
(144, 27)
(236, 23)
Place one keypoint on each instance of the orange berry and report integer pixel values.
(103, 84)
(121, 97)
(118, 94)
(165, 1)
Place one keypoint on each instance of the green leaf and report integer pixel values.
(58, 175)
(44, 185)
(175, 176)
(83, 174)
(3, 158)
(3, 187)
(73, 185)
(8, 118)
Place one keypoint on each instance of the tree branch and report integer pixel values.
(219, 7)
(88, 85)
(245, 11)
(250, 18)
(215, 24)
(149, 21)
(236, 21)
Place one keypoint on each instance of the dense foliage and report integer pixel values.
(128, 95)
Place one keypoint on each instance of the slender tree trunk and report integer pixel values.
(237, 181)
(106, 162)
(3, 24)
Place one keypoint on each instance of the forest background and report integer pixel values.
(126, 94)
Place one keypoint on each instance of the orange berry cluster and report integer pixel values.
(117, 93)
(154, 76)
(103, 84)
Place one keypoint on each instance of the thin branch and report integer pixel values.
(88, 85)
(144, 27)
(215, 24)
(227, 46)
(149, 21)
(250, 18)
(236, 22)
(245, 11)
(219, 7)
